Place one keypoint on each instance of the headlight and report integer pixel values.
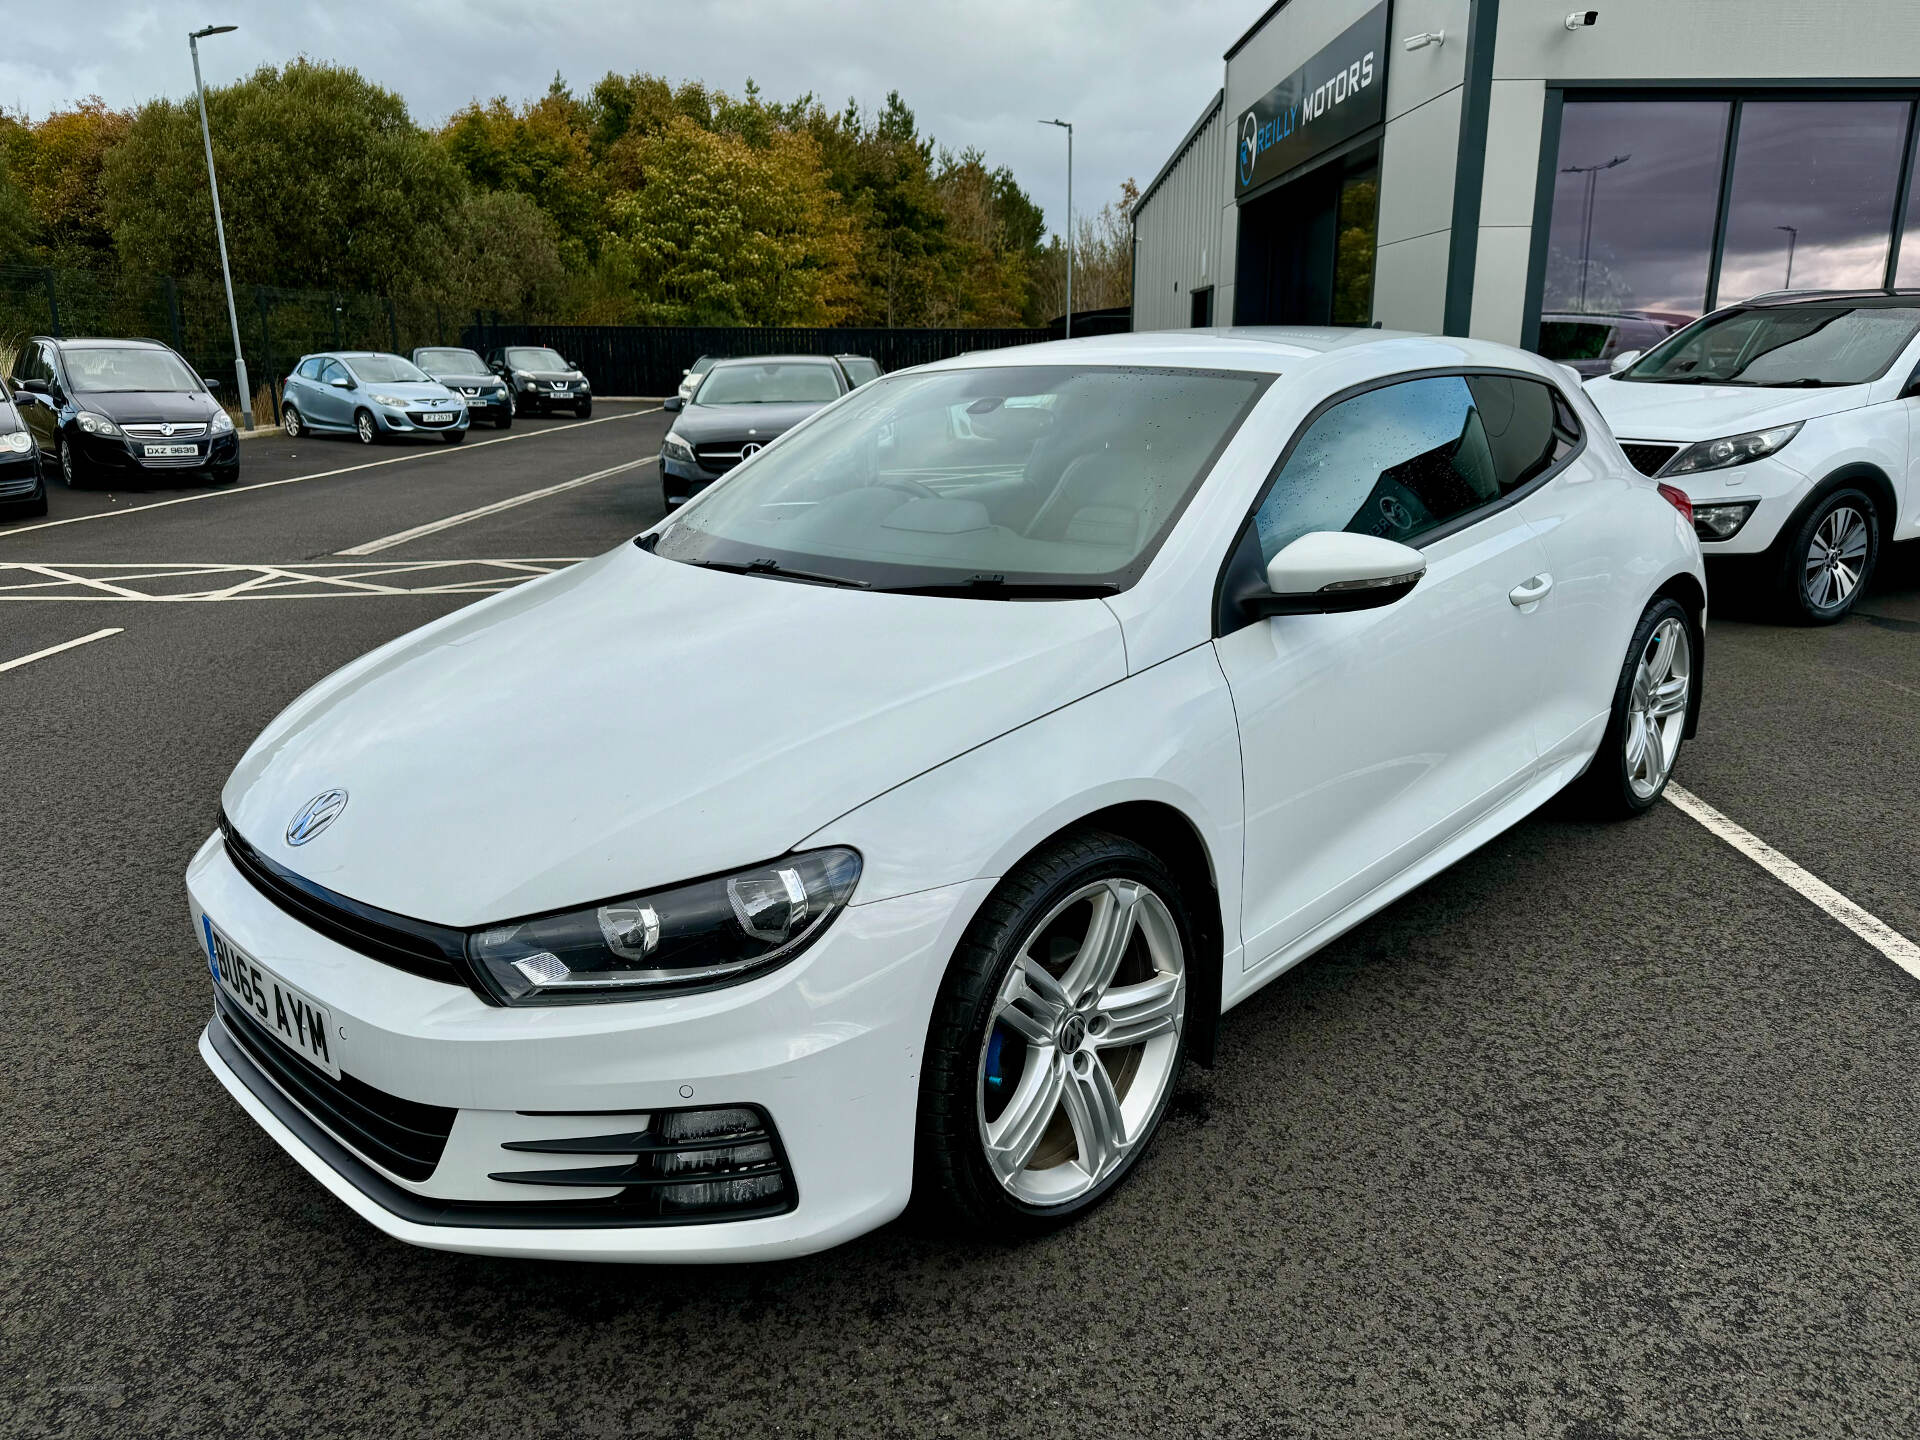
(1734, 450)
(398, 402)
(17, 440)
(96, 424)
(521, 375)
(1722, 521)
(693, 937)
(676, 448)
(222, 422)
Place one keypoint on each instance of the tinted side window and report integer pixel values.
(331, 371)
(1573, 339)
(310, 368)
(1405, 459)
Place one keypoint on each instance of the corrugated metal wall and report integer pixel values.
(1176, 229)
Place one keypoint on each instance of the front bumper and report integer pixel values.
(828, 1047)
(1776, 486)
(20, 478)
(213, 454)
(681, 480)
(489, 407)
(411, 421)
(545, 397)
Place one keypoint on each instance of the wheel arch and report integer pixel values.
(1862, 475)
(1692, 596)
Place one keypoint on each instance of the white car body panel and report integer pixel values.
(634, 723)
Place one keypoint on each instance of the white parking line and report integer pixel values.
(433, 527)
(1870, 928)
(442, 451)
(56, 649)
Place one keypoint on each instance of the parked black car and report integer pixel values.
(541, 380)
(1589, 343)
(104, 410)
(23, 487)
(488, 396)
(738, 408)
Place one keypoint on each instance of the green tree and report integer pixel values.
(55, 165)
(722, 233)
(541, 150)
(325, 180)
(503, 253)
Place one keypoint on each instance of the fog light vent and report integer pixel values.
(686, 1165)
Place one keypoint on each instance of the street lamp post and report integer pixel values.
(219, 226)
(1066, 126)
(1592, 174)
(1793, 238)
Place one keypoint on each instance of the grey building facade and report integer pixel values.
(1513, 178)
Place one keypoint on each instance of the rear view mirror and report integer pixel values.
(36, 385)
(671, 403)
(1623, 360)
(340, 382)
(1331, 571)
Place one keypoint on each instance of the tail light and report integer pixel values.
(1678, 499)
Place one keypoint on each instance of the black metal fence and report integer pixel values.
(649, 359)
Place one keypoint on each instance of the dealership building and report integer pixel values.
(1516, 172)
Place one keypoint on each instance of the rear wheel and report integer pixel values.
(291, 422)
(1648, 722)
(1829, 558)
(1057, 1038)
(365, 428)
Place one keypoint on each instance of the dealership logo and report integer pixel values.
(1249, 146)
(316, 815)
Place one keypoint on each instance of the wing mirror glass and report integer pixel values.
(672, 403)
(1623, 360)
(1329, 572)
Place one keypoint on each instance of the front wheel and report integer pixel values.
(1829, 558)
(584, 409)
(1648, 722)
(504, 420)
(73, 469)
(365, 428)
(1057, 1037)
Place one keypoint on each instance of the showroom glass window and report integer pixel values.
(1403, 460)
(1813, 192)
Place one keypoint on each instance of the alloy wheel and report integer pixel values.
(1836, 558)
(291, 420)
(1083, 1042)
(1657, 707)
(67, 464)
(363, 424)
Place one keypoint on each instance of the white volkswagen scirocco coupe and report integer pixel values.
(896, 818)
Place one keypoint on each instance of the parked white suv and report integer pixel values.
(1793, 424)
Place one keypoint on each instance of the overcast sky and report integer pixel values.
(1130, 74)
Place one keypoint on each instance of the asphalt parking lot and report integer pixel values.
(1604, 1132)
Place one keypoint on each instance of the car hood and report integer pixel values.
(632, 722)
(478, 377)
(1639, 410)
(149, 407)
(699, 424)
(431, 391)
(552, 374)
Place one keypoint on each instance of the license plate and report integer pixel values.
(171, 450)
(435, 417)
(298, 1021)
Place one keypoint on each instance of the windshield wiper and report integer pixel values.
(769, 566)
(998, 587)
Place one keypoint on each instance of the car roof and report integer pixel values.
(93, 342)
(1867, 299)
(1270, 349)
(774, 360)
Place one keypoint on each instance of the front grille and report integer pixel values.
(1648, 458)
(720, 458)
(402, 1137)
(437, 952)
(181, 431)
(163, 462)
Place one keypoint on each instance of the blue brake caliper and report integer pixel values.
(995, 1042)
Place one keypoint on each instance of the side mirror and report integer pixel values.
(1623, 360)
(36, 385)
(215, 384)
(672, 404)
(1912, 387)
(1331, 571)
(341, 382)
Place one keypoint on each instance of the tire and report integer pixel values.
(453, 437)
(584, 409)
(291, 422)
(1059, 1086)
(504, 422)
(73, 470)
(1829, 558)
(1625, 778)
(365, 428)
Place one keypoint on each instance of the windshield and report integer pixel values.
(527, 357)
(800, 382)
(702, 365)
(453, 362)
(859, 368)
(102, 368)
(1810, 345)
(1005, 475)
(388, 368)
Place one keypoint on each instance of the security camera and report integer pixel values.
(1420, 42)
(1580, 19)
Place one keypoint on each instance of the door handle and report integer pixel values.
(1529, 591)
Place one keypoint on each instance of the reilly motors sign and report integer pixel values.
(1334, 96)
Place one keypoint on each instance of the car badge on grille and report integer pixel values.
(316, 815)
(752, 447)
(166, 427)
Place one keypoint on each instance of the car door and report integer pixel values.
(333, 403)
(37, 408)
(1370, 739)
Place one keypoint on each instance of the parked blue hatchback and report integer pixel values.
(371, 395)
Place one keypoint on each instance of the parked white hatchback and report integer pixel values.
(1793, 424)
(898, 816)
